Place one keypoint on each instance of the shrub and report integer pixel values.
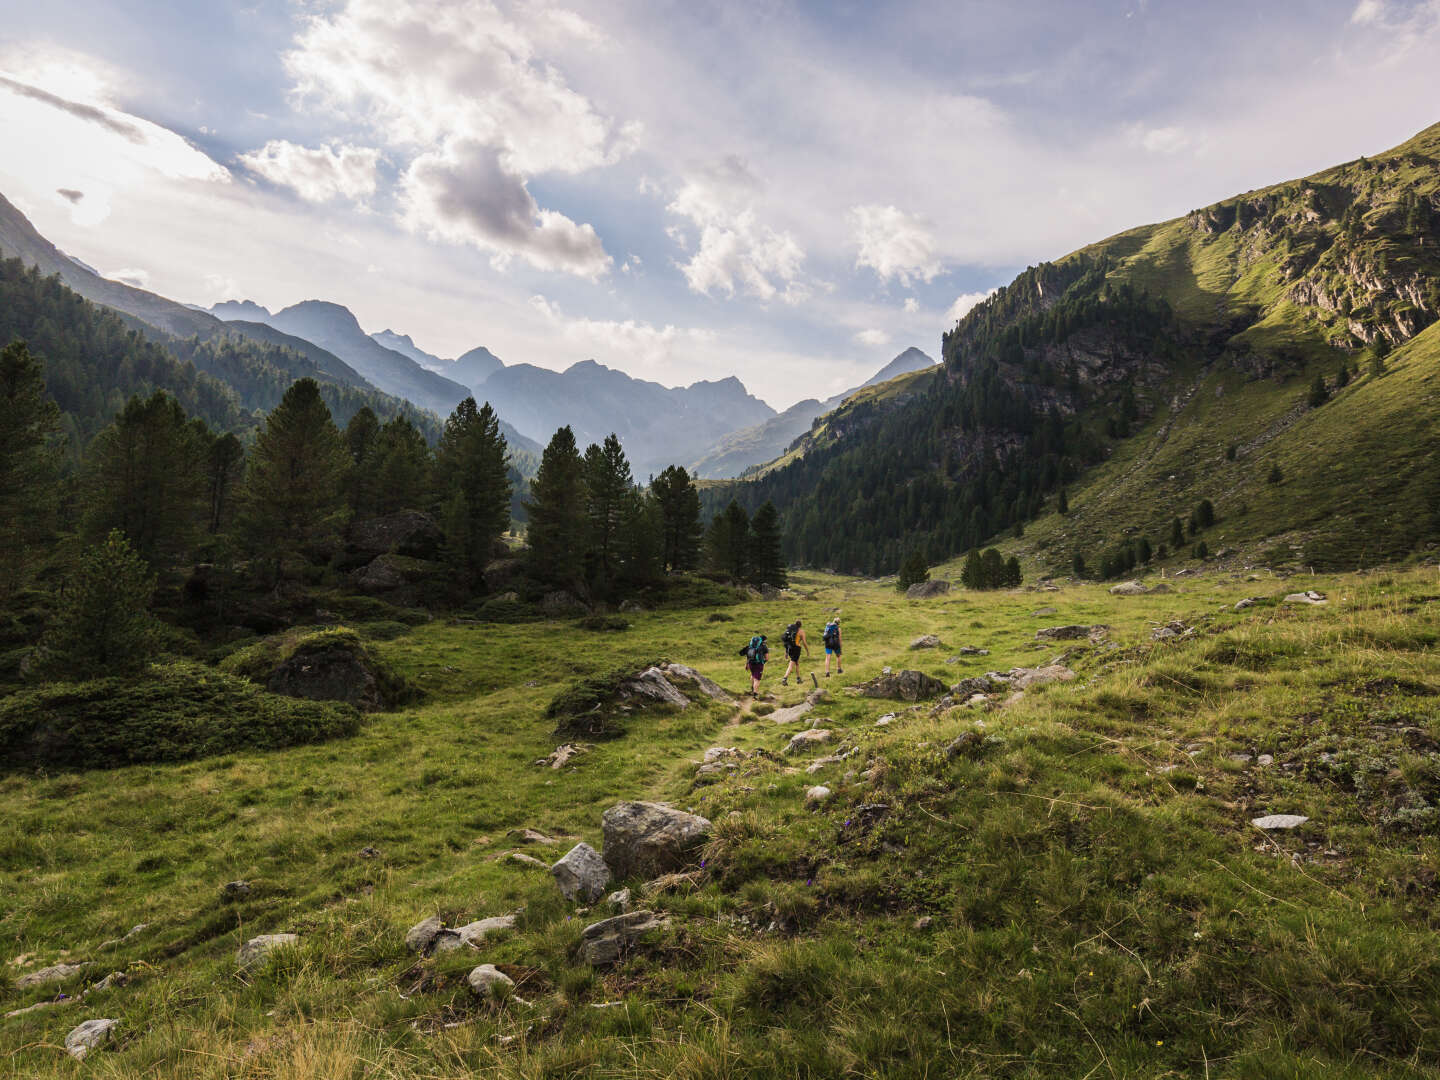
(719, 616)
(913, 571)
(591, 707)
(1275, 476)
(602, 623)
(502, 609)
(170, 712)
(102, 624)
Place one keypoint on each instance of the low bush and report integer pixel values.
(611, 623)
(168, 712)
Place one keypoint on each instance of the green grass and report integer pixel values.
(1097, 902)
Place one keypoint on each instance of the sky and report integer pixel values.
(792, 193)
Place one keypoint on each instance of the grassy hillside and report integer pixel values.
(1074, 890)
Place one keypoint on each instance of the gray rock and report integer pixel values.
(1239, 759)
(420, 937)
(561, 755)
(408, 532)
(1040, 612)
(924, 590)
(1280, 821)
(528, 835)
(475, 933)
(560, 603)
(1171, 631)
(906, 686)
(817, 794)
(803, 740)
(381, 574)
(795, 712)
(1248, 602)
(709, 687)
(90, 1035)
(582, 874)
(647, 839)
(329, 670)
(606, 941)
(652, 685)
(926, 641)
(820, 764)
(53, 974)
(109, 982)
(490, 983)
(968, 744)
(971, 650)
(978, 684)
(888, 718)
(722, 753)
(1025, 678)
(234, 890)
(1265, 759)
(1070, 633)
(526, 860)
(258, 949)
(1128, 588)
(1310, 596)
(618, 901)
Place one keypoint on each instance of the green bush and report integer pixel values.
(612, 623)
(169, 712)
(499, 609)
(257, 661)
(383, 630)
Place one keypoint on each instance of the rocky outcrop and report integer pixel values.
(709, 687)
(903, 686)
(332, 668)
(924, 590)
(581, 874)
(1129, 588)
(1071, 633)
(1026, 678)
(651, 684)
(56, 973)
(90, 1035)
(792, 713)
(1310, 596)
(408, 532)
(646, 839)
(804, 740)
(607, 941)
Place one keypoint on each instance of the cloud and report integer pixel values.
(625, 342)
(1159, 140)
(912, 306)
(316, 175)
(734, 252)
(70, 195)
(872, 337)
(894, 244)
(139, 279)
(964, 302)
(464, 194)
(1368, 11)
(92, 113)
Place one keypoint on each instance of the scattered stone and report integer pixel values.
(420, 937)
(906, 686)
(475, 933)
(1310, 596)
(1129, 588)
(823, 763)
(90, 1035)
(1014, 699)
(924, 590)
(109, 982)
(1041, 612)
(709, 687)
(606, 941)
(923, 922)
(886, 720)
(490, 983)
(618, 901)
(803, 740)
(1170, 631)
(526, 860)
(36, 1008)
(1280, 821)
(967, 745)
(234, 890)
(1070, 633)
(534, 836)
(1242, 759)
(976, 700)
(645, 839)
(978, 684)
(885, 670)
(1248, 602)
(926, 641)
(408, 532)
(722, 753)
(582, 874)
(1265, 760)
(134, 932)
(53, 974)
(562, 754)
(257, 949)
(817, 794)
(795, 712)
(368, 852)
(1025, 678)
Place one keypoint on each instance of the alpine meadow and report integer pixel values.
(696, 679)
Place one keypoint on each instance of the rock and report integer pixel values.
(654, 686)
(382, 574)
(526, 860)
(1070, 633)
(606, 941)
(1265, 759)
(582, 874)
(234, 890)
(971, 650)
(967, 745)
(978, 684)
(475, 933)
(803, 740)
(257, 949)
(134, 932)
(560, 603)
(721, 753)
(1170, 631)
(53, 974)
(408, 532)
(39, 1005)
(825, 762)
(977, 699)
(369, 852)
(1248, 602)
(420, 937)
(1128, 588)
(631, 607)
(333, 668)
(709, 687)
(490, 983)
(561, 755)
(1310, 596)
(90, 1035)
(109, 982)
(795, 712)
(1280, 821)
(1025, 678)
(1242, 759)
(906, 686)
(646, 839)
(533, 836)
(618, 901)
(501, 574)
(926, 641)
(1041, 612)
(924, 590)
(888, 718)
(817, 794)
(923, 922)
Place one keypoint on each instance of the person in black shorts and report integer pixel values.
(831, 637)
(794, 641)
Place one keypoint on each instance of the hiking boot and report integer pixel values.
(785, 681)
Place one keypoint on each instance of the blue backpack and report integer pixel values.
(757, 651)
(831, 636)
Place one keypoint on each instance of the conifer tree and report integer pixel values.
(1063, 504)
(767, 564)
(293, 498)
(557, 532)
(913, 571)
(225, 467)
(102, 623)
(679, 505)
(972, 576)
(607, 482)
(727, 542)
(1319, 392)
(641, 557)
(993, 568)
(1177, 534)
(1275, 476)
(1014, 576)
(1078, 567)
(400, 468)
(29, 422)
(473, 480)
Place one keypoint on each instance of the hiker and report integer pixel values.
(793, 640)
(831, 637)
(755, 653)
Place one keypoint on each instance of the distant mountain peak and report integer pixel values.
(239, 311)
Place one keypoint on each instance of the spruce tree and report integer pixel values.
(641, 558)
(1077, 565)
(225, 467)
(102, 623)
(767, 564)
(973, 574)
(29, 464)
(993, 568)
(679, 504)
(1319, 392)
(913, 571)
(362, 435)
(292, 502)
(607, 483)
(557, 532)
(737, 541)
(473, 484)
(1275, 476)
(1177, 534)
(400, 468)
(1063, 503)
(1014, 577)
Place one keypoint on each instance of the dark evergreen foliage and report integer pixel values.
(29, 424)
(557, 532)
(102, 623)
(767, 564)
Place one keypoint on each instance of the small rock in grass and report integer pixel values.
(234, 890)
(606, 941)
(1129, 588)
(1248, 602)
(490, 983)
(1243, 759)
(89, 1036)
(368, 852)
(581, 874)
(53, 974)
(1280, 821)
(257, 949)
(109, 982)
(420, 937)
(926, 641)
(817, 794)
(923, 922)
(618, 901)
(475, 933)
(1309, 596)
(802, 740)
(1265, 759)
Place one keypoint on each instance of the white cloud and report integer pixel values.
(318, 174)
(912, 306)
(1368, 11)
(894, 244)
(872, 337)
(625, 343)
(130, 275)
(1159, 140)
(963, 303)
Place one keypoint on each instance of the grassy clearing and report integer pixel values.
(1075, 891)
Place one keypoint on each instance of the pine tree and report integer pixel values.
(607, 482)
(473, 482)
(1319, 392)
(147, 476)
(1077, 565)
(362, 434)
(225, 466)
(767, 564)
(1378, 352)
(1014, 577)
(400, 469)
(1177, 534)
(293, 499)
(1204, 514)
(1275, 476)
(557, 532)
(992, 565)
(1063, 505)
(972, 576)
(640, 539)
(913, 571)
(29, 423)
(679, 505)
(102, 623)
(737, 541)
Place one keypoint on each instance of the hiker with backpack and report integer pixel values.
(755, 653)
(831, 637)
(793, 639)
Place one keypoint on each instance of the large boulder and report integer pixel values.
(903, 686)
(89, 1036)
(381, 574)
(503, 574)
(581, 874)
(53, 974)
(1129, 588)
(420, 937)
(329, 667)
(652, 684)
(408, 532)
(1025, 678)
(606, 941)
(923, 590)
(647, 839)
(709, 687)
